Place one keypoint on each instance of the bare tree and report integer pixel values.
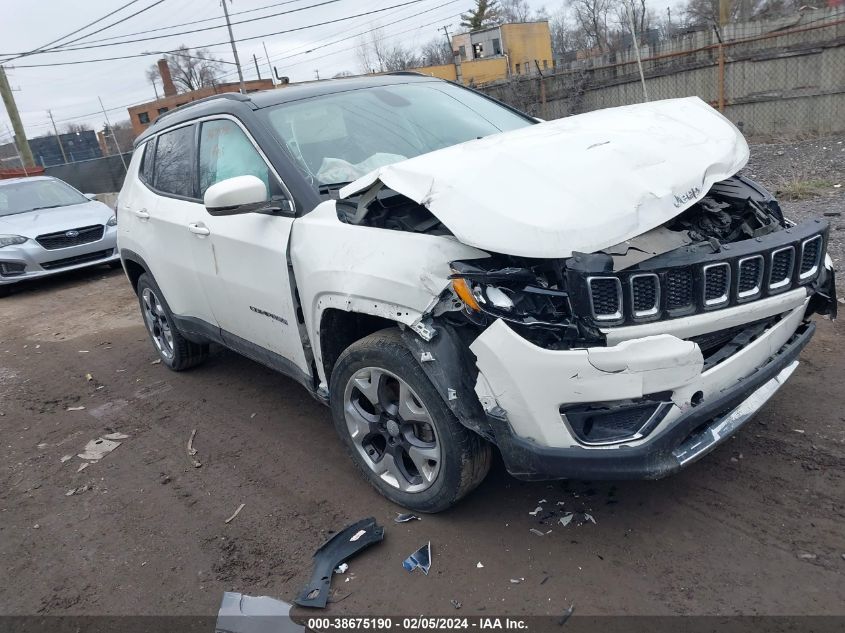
(591, 17)
(374, 55)
(191, 69)
(706, 12)
(515, 11)
(486, 13)
(436, 52)
(121, 131)
(73, 128)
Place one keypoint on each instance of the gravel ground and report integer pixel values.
(779, 166)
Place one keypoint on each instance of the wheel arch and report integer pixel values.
(338, 329)
(134, 266)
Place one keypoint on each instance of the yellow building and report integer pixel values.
(498, 52)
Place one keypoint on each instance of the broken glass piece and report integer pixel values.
(421, 558)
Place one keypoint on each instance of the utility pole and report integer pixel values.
(17, 151)
(445, 29)
(113, 135)
(269, 66)
(58, 138)
(12, 110)
(636, 45)
(724, 12)
(234, 48)
(257, 72)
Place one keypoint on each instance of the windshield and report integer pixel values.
(20, 197)
(340, 137)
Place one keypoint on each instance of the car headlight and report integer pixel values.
(11, 240)
(517, 295)
(112, 221)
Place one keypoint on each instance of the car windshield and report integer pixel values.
(338, 138)
(29, 195)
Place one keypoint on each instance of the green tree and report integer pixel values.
(486, 13)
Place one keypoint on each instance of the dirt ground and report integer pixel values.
(754, 528)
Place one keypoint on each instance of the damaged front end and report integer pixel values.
(629, 302)
(636, 360)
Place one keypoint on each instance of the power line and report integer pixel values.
(282, 56)
(242, 39)
(205, 28)
(61, 47)
(82, 28)
(176, 26)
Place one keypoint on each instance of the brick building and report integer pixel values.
(141, 116)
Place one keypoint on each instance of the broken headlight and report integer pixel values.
(514, 294)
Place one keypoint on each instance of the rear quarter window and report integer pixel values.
(148, 161)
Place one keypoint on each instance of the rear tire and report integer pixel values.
(398, 430)
(174, 350)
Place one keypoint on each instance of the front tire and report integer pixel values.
(174, 350)
(399, 431)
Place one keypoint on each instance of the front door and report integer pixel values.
(242, 259)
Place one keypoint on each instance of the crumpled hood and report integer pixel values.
(34, 223)
(581, 183)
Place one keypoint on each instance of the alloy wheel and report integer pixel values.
(157, 324)
(392, 430)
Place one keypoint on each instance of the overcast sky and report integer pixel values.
(71, 91)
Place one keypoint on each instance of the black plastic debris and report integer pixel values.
(240, 613)
(338, 549)
(421, 558)
(404, 518)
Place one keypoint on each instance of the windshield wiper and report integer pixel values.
(331, 186)
(49, 206)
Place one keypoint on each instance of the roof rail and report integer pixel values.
(406, 72)
(233, 96)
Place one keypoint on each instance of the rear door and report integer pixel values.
(163, 227)
(248, 282)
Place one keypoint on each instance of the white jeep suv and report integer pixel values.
(600, 296)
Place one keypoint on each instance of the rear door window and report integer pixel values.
(174, 162)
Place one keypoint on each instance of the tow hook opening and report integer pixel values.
(697, 398)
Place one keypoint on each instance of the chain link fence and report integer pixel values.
(773, 78)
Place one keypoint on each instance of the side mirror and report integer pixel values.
(241, 194)
(90, 196)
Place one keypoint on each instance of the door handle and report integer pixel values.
(197, 228)
(142, 214)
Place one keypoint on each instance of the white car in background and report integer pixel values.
(47, 227)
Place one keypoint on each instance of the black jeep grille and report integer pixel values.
(679, 286)
(750, 275)
(644, 289)
(61, 239)
(810, 254)
(782, 262)
(606, 296)
(716, 281)
(681, 283)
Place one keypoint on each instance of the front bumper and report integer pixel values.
(31, 261)
(522, 389)
(693, 435)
